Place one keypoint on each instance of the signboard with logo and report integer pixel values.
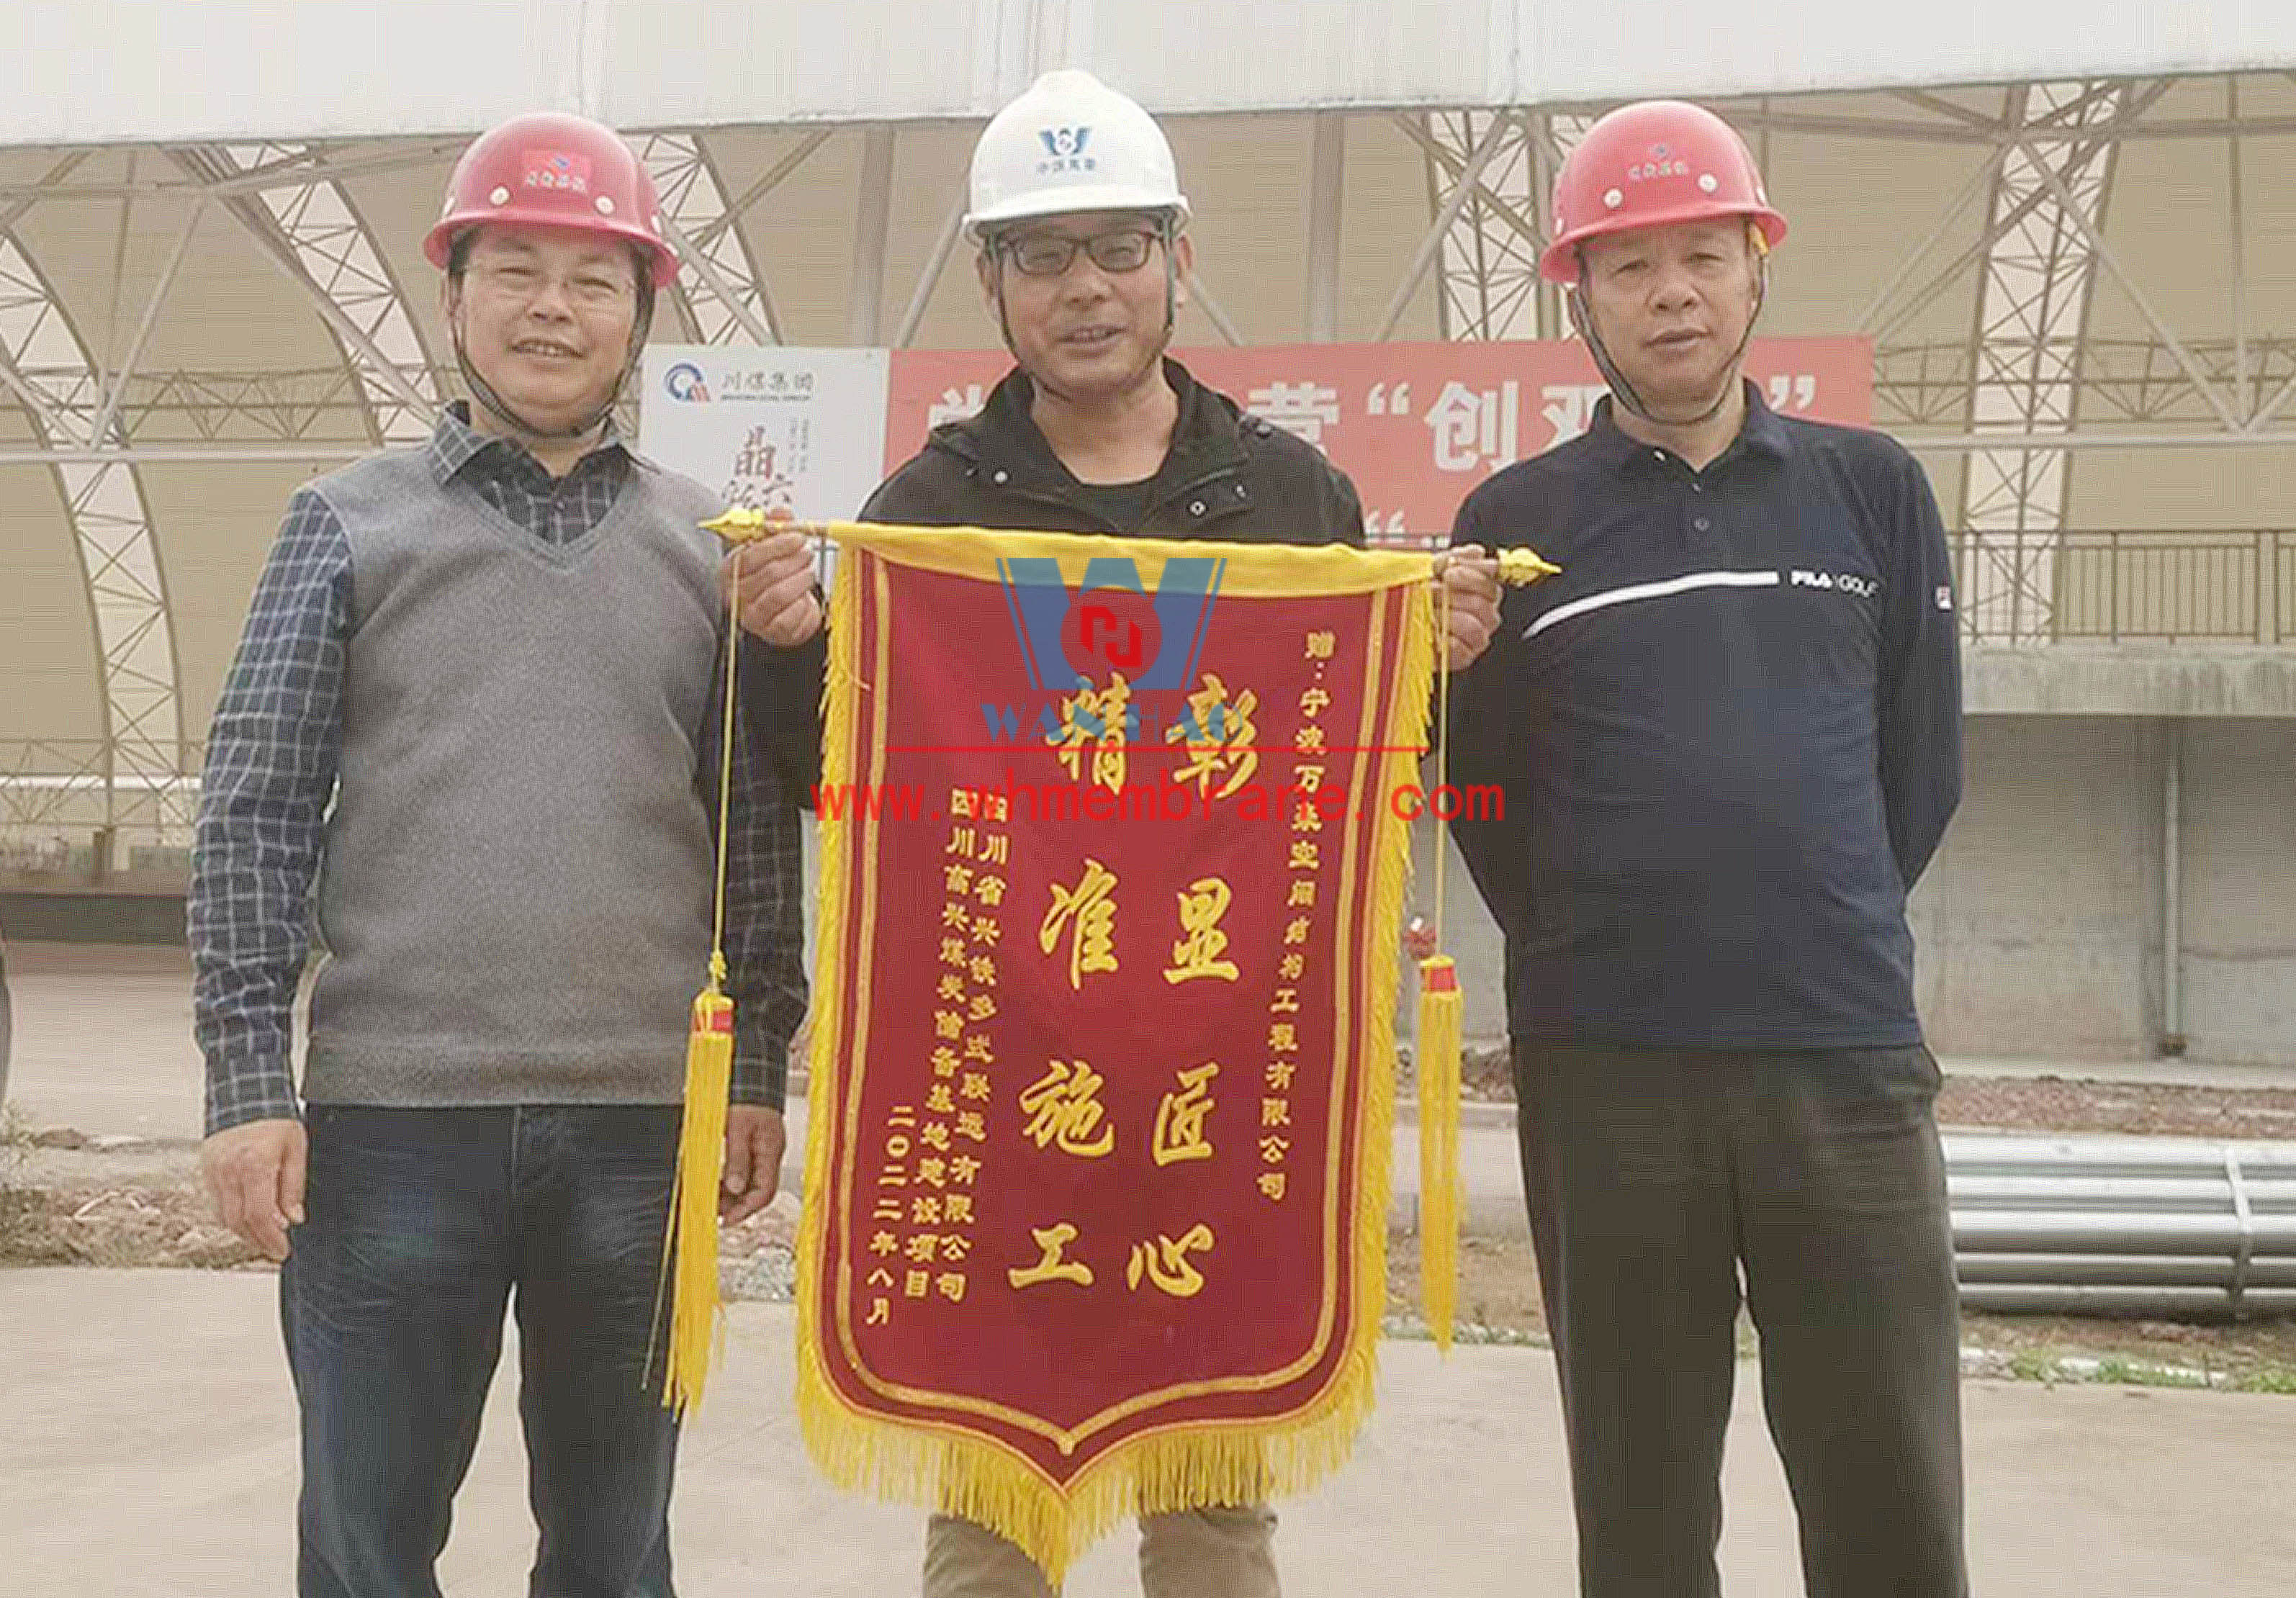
(801, 430)
(1415, 425)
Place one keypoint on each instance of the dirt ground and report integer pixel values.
(141, 1205)
(2037, 1103)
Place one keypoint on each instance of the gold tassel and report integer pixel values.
(696, 1313)
(1441, 1009)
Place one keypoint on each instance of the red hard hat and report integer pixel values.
(550, 169)
(1650, 165)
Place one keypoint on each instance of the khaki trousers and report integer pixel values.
(1203, 1553)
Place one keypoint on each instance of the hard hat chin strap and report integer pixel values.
(1582, 318)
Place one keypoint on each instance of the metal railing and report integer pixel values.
(2117, 587)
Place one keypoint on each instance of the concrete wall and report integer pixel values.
(2240, 889)
(2039, 925)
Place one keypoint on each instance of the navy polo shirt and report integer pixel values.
(1728, 737)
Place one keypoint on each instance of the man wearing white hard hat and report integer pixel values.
(473, 705)
(1083, 260)
(1729, 738)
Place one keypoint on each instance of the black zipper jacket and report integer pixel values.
(1227, 476)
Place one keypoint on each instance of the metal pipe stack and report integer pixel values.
(2163, 1226)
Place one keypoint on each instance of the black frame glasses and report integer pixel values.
(1051, 254)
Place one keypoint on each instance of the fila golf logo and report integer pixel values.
(1848, 581)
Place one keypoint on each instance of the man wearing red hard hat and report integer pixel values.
(1729, 738)
(473, 704)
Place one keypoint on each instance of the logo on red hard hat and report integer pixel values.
(1662, 162)
(564, 170)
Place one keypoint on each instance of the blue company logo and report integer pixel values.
(1062, 143)
(684, 383)
(1110, 622)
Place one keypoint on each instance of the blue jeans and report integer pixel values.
(422, 1223)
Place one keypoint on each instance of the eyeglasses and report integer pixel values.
(1051, 254)
(585, 290)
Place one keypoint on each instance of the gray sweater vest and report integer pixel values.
(516, 887)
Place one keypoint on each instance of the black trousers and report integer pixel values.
(1657, 1181)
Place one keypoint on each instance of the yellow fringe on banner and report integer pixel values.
(1443, 1008)
(965, 1474)
(697, 1316)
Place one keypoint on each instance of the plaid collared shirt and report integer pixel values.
(270, 776)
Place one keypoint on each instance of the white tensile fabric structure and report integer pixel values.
(2067, 227)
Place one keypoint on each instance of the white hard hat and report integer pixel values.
(1071, 144)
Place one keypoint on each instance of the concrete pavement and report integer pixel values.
(147, 1450)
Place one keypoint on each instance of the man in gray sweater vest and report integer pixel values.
(474, 703)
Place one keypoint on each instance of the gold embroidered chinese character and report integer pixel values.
(1284, 1037)
(951, 1285)
(997, 850)
(1198, 952)
(1314, 702)
(1275, 1112)
(952, 951)
(976, 1084)
(1095, 719)
(1292, 967)
(1064, 1110)
(963, 1169)
(1052, 1267)
(939, 1101)
(1221, 738)
(1167, 1265)
(951, 988)
(961, 843)
(880, 1313)
(957, 879)
(1309, 740)
(1307, 818)
(982, 970)
(1280, 1073)
(1271, 1182)
(1323, 645)
(1180, 1119)
(1272, 1149)
(1303, 894)
(989, 892)
(883, 1243)
(1305, 855)
(957, 1209)
(1286, 1001)
(1088, 914)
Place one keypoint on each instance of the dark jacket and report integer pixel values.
(1227, 476)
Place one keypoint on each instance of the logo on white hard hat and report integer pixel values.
(1064, 150)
